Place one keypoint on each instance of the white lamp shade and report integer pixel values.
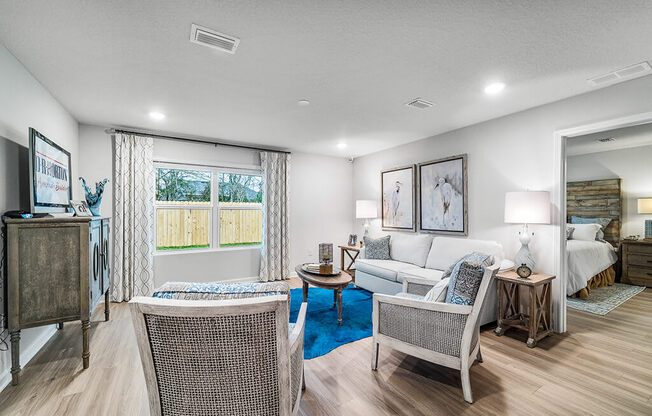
(645, 205)
(365, 208)
(529, 207)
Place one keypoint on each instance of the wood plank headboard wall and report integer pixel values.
(593, 199)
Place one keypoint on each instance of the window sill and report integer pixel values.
(204, 250)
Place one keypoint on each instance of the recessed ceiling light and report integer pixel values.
(341, 145)
(494, 88)
(303, 103)
(156, 115)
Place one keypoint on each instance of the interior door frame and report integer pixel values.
(559, 200)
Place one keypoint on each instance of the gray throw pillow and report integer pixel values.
(466, 277)
(377, 248)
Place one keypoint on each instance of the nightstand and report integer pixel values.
(637, 262)
(536, 316)
(351, 259)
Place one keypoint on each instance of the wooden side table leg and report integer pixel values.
(342, 259)
(15, 357)
(86, 324)
(339, 306)
(532, 319)
(501, 308)
(305, 291)
(106, 305)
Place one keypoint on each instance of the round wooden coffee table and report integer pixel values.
(336, 283)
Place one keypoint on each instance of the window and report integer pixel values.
(203, 208)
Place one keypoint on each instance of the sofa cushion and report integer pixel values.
(446, 251)
(385, 269)
(377, 248)
(429, 274)
(410, 248)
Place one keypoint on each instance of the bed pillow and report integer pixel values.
(569, 232)
(581, 220)
(586, 232)
(377, 248)
(438, 291)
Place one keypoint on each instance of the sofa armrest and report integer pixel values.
(417, 285)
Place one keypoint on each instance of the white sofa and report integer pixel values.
(426, 257)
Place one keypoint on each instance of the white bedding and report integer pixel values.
(585, 260)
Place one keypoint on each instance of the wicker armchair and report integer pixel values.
(220, 357)
(442, 333)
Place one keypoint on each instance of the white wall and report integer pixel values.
(321, 207)
(25, 103)
(511, 153)
(633, 166)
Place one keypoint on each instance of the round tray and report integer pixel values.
(336, 271)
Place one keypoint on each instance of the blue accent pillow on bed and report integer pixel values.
(603, 222)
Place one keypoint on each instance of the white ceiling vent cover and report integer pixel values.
(620, 75)
(212, 39)
(419, 103)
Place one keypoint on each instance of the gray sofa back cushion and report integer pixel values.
(411, 249)
(377, 248)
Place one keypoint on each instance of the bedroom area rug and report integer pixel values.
(605, 299)
(323, 334)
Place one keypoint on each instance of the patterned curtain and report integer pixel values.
(133, 217)
(275, 252)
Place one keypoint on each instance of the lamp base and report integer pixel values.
(524, 256)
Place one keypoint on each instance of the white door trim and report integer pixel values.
(559, 200)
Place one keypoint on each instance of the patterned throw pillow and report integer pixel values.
(466, 277)
(377, 248)
(438, 291)
(581, 220)
(569, 232)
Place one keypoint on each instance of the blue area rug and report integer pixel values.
(603, 300)
(322, 332)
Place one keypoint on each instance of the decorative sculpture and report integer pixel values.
(94, 198)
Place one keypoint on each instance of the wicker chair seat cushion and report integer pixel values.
(466, 277)
(217, 290)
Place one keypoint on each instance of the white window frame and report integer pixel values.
(214, 207)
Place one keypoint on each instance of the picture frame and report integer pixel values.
(81, 209)
(398, 198)
(443, 196)
(353, 240)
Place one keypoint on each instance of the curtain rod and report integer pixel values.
(188, 139)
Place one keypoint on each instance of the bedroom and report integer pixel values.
(608, 193)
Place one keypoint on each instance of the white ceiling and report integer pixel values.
(358, 62)
(635, 136)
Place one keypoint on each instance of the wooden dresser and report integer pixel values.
(637, 262)
(57, 271)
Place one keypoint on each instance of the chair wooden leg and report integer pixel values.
(466, 384)
(374, 355)
(303, 380)
(479, 354)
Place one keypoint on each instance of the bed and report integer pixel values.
(591, 263)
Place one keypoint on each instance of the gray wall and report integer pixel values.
(25, 103)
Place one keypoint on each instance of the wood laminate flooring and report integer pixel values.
(602, 366)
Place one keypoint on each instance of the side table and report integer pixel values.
(348, 250)
(538, 318)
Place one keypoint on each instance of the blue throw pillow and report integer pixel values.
(466, 277)
(377, 248)
(603, 222)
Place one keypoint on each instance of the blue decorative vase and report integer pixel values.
(94, 199)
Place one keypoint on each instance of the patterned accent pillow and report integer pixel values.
(569, 232)
(466, 277)
(603, 222)
(438, 291)
(377, 248)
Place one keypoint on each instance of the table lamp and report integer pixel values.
(528, 207)
(645, 207)
(366, 208)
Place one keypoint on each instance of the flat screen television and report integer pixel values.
(50, 175)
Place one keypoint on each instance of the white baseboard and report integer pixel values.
(28, 352)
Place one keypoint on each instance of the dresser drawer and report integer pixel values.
(638, 276)
(639, 249)
(640, 260)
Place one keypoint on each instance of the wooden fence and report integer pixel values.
(187, 227)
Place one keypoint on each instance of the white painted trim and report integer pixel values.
(559, 201)
(26, 354)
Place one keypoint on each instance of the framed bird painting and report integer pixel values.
(443, 196)
(398, 197)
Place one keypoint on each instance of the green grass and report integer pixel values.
(240, 244)
(182, 247)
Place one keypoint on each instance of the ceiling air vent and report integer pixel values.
(212, 39)
(622, 74)
(419, 103)
(607, 139)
